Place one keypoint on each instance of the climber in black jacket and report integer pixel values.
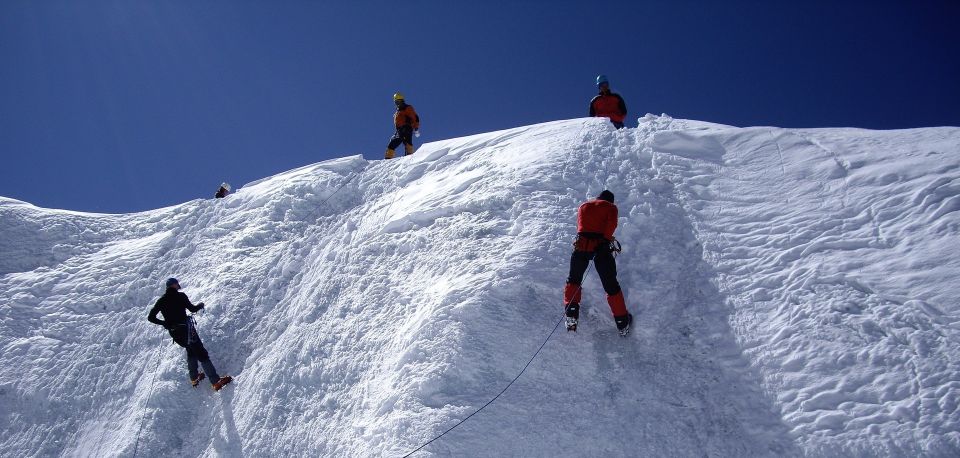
(174, 305)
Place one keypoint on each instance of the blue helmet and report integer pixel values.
(601, 79)
(172, 281)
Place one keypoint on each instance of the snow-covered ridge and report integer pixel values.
(793, 292)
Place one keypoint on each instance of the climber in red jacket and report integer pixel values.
(608, 104)
(596, 222)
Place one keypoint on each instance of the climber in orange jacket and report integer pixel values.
(407, 122)
(596, 222)
(608, 104)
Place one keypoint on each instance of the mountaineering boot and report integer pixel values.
(197, 380)
(572, 314)
(223, 381)
(408, 149)
(389, 154)
(623, 324)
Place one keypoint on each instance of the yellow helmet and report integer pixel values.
(397, 96)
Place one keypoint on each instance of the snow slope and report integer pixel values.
(793, 291)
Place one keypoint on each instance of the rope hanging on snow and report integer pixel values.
(352, 176)
(136, 445)
(495, 397)
(562, 319)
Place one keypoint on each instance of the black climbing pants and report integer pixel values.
(403, 135)
(598, 251)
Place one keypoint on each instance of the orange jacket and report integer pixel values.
(609, 105)
(598, 217)
(406, 116)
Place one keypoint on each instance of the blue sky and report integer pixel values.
(127, 105)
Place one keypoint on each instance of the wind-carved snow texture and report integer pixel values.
(839, 260)
(793, 294)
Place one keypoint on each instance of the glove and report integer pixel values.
(167, 326)
(416, 133)
(201, 306)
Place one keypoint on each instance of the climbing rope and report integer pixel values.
(495, 397)
(392, 200)
(144, 416)
(352, 176)
(562, 319)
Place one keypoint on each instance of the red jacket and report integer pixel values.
(598, 217)
(609, 105)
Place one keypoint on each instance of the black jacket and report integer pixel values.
(174, 305)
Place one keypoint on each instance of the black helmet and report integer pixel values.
(606, 195)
